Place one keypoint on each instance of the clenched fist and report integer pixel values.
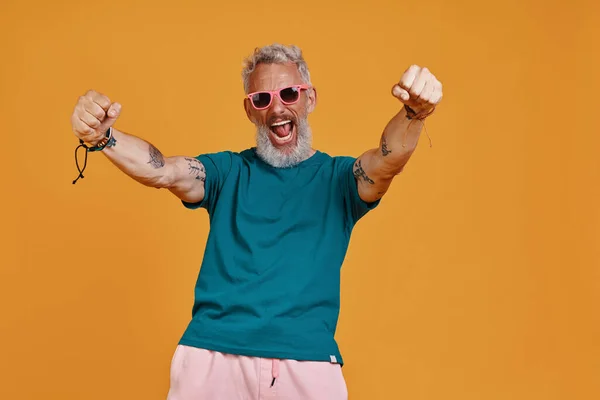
(93, 115)
(418, 89)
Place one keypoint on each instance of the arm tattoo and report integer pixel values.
(384, 149)
(156, 158)
(359, 173)
(196, 168)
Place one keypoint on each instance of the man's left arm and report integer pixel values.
(419, 91)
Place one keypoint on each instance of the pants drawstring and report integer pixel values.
(275, 371)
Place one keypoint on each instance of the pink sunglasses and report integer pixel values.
(288, 95)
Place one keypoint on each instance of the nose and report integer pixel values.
(277, 106)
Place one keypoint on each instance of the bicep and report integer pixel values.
(373, 175)
(187, 178)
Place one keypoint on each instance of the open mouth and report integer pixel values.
(283, 131)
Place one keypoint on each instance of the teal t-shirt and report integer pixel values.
(269, 283)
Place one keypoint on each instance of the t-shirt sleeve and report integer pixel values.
(355, 207)
(218, 167)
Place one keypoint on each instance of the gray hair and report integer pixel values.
(275, 54)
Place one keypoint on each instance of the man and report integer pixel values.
(281, 213)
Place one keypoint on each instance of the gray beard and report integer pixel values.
(274, 156)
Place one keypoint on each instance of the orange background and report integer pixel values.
(478, 277)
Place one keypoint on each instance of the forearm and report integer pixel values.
(137, 158)
(399, 141)
(376, 168)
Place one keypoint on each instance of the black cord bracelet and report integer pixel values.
(98, 147)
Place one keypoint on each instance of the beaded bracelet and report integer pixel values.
(101, 144)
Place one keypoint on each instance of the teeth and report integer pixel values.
(281, 123)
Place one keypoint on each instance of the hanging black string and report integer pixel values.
(99, 147)
(85, 149)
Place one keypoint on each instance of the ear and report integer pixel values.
(311, 100)
(248, 109)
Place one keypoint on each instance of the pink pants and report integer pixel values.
(198, 374)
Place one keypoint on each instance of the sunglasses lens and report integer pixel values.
(290, 95)
(261, 100)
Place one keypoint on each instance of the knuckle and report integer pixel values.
(76, 114)
(99, 114)
(104, 101)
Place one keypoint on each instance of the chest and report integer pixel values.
(300, 197)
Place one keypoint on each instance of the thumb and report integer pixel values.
(113, 113)
(400, 93)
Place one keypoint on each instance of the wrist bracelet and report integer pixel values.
(98, 147)
(101, 144)
(411, 114)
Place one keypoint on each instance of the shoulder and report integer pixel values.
(326, 158)
(339, 166)
(230, 156)
(222, 162)
(342, 162)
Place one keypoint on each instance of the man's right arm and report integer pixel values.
(142, 161)
(94, 114)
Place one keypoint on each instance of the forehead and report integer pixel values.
(274, 76)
